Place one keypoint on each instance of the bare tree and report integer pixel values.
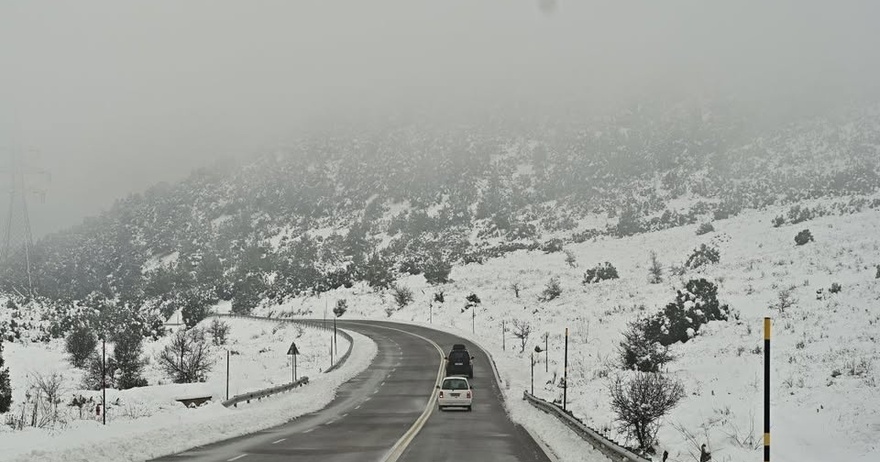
(516, 286)
(785, 299)
(570, 259)
(655, 271)
(522, 330)
(641, 402)
(402, 295)
(187, 358)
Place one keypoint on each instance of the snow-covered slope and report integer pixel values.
(825, 399)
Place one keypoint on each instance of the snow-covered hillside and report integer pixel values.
(825, 355)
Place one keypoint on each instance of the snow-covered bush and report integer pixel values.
(640, 402)
(402, 295)
(638, 352)
(219, 330)
(655, 270)
(437, 271)
(778, 221)
(187, 358)
(803, 237)
(702, 256)
(80, 344)
(5, 387)
(127, 355)
(681, 320)
(552, 246)
(599, 273)
(705, 228)
(341, 307)
(551, 291)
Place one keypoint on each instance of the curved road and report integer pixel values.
(374, 410)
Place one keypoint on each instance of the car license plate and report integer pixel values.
(459, 364)
(455, 395)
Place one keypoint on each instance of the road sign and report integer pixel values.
(293, 350)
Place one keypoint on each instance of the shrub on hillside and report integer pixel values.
(340, 308)
(402, 295)
(835, 288)
(195, 308)
(570, 259)
(471, 301)
(803, 237)
(5, 387)
(437, 271)
(187, 357)
(439, 297)
(601, 272)
(638, 352)
(798, 214)
(219, 331)
(95, 368)
(551, 291)
(778, 221)
(80, 344)
(127, 356)
(702, 256)
(378, 272)
(628, 224)
(705, 228)
(552, 246)
(641, 402)
(877, 275)
(655, 270)
(681, 319)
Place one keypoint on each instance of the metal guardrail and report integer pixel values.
(609, 448)
(260, 394)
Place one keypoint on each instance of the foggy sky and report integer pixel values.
(116, 96)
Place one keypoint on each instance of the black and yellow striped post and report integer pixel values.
(565, 375)
(766, 389)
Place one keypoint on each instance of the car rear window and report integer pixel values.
(459, 356)
(455, 384)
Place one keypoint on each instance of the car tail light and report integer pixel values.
(441, 393)
(469, 395)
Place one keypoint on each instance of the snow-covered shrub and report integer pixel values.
(655, 270)
(5, 387)
(797, 214)
(127, 355)
(552, 246)
(219, 330)
(471, 301)
(803, 237)
(785, 300)
(551, 291)
(640, 402)
(80, 344)
(402, 295)
(187, 358)
(702, 256)
(778, 221)
(378, 272)
(877, 276)
(835, 288)
(570, 259)
(628, 224)
(521, 330)
(439, 297)
(437, 271)
(681, 320)
(638, 352)
(599, 273)
(705, 228)
(341, 307)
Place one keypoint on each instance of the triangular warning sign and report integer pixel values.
(293, 350)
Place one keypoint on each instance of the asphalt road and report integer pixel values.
(374, 411)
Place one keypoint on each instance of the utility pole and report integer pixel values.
(227, 374)
(17, 235)
(504, 342)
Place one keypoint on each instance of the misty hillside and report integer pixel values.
(348, 205)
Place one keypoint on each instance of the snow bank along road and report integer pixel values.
(388, 413)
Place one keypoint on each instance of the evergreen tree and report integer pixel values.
(80, 344)
(5, 387)
(127, 358)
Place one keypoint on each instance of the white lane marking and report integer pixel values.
(236, 458)
(358, 407)
(383, 383)
(344, 415)
(404, 441)
(276, 442)
(377, 391)
(309, 430)
(330, 422)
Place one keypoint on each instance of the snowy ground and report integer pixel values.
(825, 399)
(148, 422)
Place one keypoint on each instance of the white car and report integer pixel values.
(455, 392)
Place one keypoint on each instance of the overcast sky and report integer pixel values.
(116, 96)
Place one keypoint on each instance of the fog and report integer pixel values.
(116, 96)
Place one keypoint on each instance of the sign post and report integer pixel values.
(293, 351)
(565, 375)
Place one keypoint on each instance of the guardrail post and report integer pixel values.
(565, 375)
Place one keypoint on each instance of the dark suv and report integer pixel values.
(459, 362)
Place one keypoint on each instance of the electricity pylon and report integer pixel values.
(17, 235)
